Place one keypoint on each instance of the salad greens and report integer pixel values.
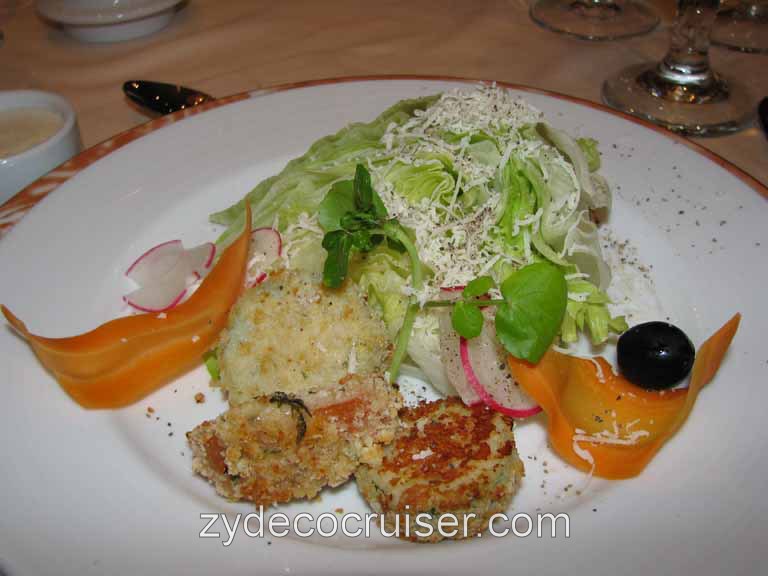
(469, 184)
(304, 181)
(354, 217)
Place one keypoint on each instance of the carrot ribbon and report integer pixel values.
(599, 421)
(125, 359)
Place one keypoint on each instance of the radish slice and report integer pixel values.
(449, 345)
(259, 279)
(161, 294)
(266, 247)
(200, 259)
(155, 262)
(164, 274)
(484, 363)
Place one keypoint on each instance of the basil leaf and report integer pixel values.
(338, 202)
(527, 323)
(478, 287)
(467, 320)
(338, 245)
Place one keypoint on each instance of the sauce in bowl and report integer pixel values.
(24, 128)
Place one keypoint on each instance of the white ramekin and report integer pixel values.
(19, 170)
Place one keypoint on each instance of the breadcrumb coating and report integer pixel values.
(291, 335)
(447, 458)
(277, 449)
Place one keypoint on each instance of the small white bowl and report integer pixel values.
(19, 170)
(108, 20)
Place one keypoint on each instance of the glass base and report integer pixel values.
(742, 30)
(719, 107)
(589, 20)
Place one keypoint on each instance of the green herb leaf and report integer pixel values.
(478, 287)
(353, 221)
(362, 240)
(379, 210)
(467, 320)
(363, 189)
(337, 203)
(338, 245)
(527, 323)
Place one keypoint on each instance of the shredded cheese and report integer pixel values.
(611, 437)
(459, 243)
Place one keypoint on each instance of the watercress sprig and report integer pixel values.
(355, 219)
(527, 318)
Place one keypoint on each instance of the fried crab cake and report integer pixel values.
(279, 448)
(291, 335)
(446, 458)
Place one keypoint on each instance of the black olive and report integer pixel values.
(655, 355)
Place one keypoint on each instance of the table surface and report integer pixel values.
(238, 45)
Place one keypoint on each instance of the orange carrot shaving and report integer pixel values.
(599, 421)
(125, 359)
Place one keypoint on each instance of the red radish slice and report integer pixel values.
(267, 242)
(155, 262)
(449, 346)
(449, 289)
(165, 272)
(266, 247)
(484, 363)
(200, 259)
(259, 279)
(161, 294)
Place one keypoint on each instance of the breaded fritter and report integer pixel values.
(291, 335)
(277, 449)
(446, 458)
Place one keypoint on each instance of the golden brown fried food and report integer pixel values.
(291, 335)
(447, 458)
(280, 448)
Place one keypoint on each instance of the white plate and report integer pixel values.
(112, 492)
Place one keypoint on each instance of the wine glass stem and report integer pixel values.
(687, 61)
(754, 8)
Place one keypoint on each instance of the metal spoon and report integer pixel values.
(163, 98)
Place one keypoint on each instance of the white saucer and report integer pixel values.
(108, 20)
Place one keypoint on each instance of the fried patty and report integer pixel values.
(446, 458)
(277, 448)
(291, 335)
